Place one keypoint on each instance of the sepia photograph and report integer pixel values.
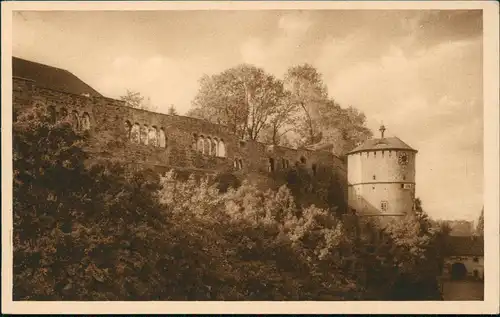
(240, 154)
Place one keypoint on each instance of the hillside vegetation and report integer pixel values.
(103, 232)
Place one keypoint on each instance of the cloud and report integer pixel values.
(282, 51)
(396, 83)
(295, 24)
(432, 99)
(418, 71)
(165, 80)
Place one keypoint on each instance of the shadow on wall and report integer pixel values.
(322, 187)
(361, 206)
(226, 180)
(118, 132)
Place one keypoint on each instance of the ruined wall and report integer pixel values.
(117, 133)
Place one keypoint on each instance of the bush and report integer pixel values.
(404, 261)
(80, 233)
(226, 180)
(104, 232)
(324, 189)
(275, 250)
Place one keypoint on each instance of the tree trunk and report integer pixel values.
(309, 122)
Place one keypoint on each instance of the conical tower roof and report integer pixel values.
(391, 143)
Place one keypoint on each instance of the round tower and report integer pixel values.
(381, 177)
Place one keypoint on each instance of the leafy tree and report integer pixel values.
(282, 121)
(343, 127)
(134, 99)
(279, 250)
(172, 111)
(324, 190)
(80, 232)
(296, 111)
(308, 92)
(416, 255)
(87, 230)
(225, 181)
(98, 232)
(244, 98)
(480, 224)
(323, 119)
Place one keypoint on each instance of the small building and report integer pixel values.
(464, 258)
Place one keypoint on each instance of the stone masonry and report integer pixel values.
(166, 142)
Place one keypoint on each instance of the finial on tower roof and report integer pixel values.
(382, 130)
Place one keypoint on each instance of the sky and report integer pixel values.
(419, 72)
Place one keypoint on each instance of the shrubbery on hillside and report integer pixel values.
(272, 246)
(103, 232)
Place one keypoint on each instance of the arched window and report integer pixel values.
(238, 164)
(128, 129)
(135, 133)
(153, 136)
(162, 139)
(271, 165)
(195, 142)
(74, 120)
(208, 146)
(144, 135)
(201, 144)
(52, 114)
(214, 147)
(85, 121)
(63, 113)
(222, 149)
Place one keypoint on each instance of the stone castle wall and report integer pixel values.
(173, 141)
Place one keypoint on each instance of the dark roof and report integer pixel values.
(391, 143)
(464, 246)
(320, 146)
(460, 227)
(51, 77)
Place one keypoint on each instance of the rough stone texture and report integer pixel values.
(110, 139)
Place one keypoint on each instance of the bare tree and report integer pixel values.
(480, 224)
(172, 111)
